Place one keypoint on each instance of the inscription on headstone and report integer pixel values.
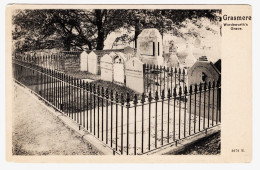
(135, 75)
(119, 68)
(84, 61)
(106, 64)
(92, 63)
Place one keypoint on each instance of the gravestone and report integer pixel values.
(92, 63)
(119, 68)
(173, 61)
(204, 72)
(134, 73)
(106, 65)
(150, 47)
(201, 72)
(84, 61)
(190, 59)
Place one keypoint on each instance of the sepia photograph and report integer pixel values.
(140, 81)
(123, 81)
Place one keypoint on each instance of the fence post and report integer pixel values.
(175, 76)
(107, 97)
(98, 96)
(156, 105)
(184, 81)
(190, 109)
(102, 112)
(117, 100)
(200, 89)
(143, 101)
(162, 97)
(91, 106)
(94, 99)
(213, 104)
(185, 108)
(195, 107)
(149, 120)
(87, 87)
(168, 120)
(127, 122)
(157, 81)
(209, 87)
(122, 118)
(180, 95)
(80, 103)
(204, 107)
(111, 119)
(135, 103)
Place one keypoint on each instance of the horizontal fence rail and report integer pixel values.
(130, 124)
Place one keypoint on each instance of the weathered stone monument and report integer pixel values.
(150, 47)
(134, 72)
(119, 68)
(171, 60)
(106, 65)
(190, 59)
(84, 61)
(201, 72)
(92, 63)
(204, 72)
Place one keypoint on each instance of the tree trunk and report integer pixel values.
(100, 40)
(101, 34)
(137, 32)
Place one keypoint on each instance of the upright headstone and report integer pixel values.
(119, 68)
(149, 46)
(106, 64)
(92, 63)
(173, 60)
(134, 73)
(84, 61)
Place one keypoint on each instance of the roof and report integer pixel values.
(217, 64)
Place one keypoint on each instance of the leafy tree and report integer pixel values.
(78, 28)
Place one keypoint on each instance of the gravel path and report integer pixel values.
(37, 132)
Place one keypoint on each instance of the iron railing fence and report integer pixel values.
(129, 124)
(158, 78)
(61, 61)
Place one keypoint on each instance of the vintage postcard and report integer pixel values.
(129, 83)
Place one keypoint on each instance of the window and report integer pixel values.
(153, 48)
(158, 48)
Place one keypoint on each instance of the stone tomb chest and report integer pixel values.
(106, 64)
(134, 72)
(84, 61)
(204, 72)
(92, 63)
(201, 72)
